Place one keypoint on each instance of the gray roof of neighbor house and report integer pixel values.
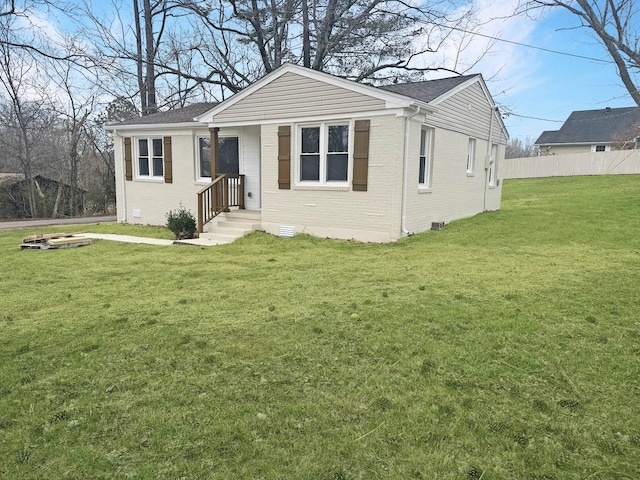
(428, 90)
(593, 126)
(178, 115)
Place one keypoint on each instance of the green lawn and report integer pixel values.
(506, 346)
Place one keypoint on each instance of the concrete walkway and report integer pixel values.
(48, 222)
(126, 238)
(203, 242)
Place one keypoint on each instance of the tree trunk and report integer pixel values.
(139, 66)
(306, 41)
(150, 58)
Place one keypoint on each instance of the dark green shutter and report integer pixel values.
(168, 160)
(128, 161)
(284, 157)
(360, 155)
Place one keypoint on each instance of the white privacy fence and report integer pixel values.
(618, 162)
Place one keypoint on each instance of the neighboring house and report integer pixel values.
(309, 152)
(53, 198)
(593, 131)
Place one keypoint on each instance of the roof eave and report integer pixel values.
(154, 126)
(568, 144)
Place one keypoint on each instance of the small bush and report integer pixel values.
(182, 223)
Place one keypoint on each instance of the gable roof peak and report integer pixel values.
(430, 90)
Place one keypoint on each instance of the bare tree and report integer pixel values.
(356, 39)
(75, 103)
(17, 74)
(516, 148)
(25, 36)
(614, 23)
(128, 46)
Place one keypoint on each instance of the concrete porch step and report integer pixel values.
(232, 225)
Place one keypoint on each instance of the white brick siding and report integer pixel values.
(455, 193)
(373, 215)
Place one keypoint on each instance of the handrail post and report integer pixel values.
(225, 194)
(214, 200)
(200, 216)
(241, 192)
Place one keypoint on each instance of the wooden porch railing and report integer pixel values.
(224, 192)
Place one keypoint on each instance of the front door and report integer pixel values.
(229, 159)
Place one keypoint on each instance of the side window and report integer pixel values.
(204, 157)
(471, 155)
(492, 165)
(426, 152)
(150, 157)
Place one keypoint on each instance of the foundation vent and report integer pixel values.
(287, 231)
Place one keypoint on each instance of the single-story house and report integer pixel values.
(309, 152)
(593, 131)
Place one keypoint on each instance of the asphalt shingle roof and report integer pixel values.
(428, 90)
(178, 115)
(593, 126)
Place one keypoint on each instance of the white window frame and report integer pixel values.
(235, 134)
(324, 145)
(492, 165)
(152, 175)
(426, 152)
(471, 155)
(199, 176)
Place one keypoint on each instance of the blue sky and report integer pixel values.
(544, 85)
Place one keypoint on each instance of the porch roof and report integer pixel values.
(178, 115)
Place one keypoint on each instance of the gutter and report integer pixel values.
(124, 184)
(405, 169)
(487, 160)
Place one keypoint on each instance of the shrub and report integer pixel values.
(182, 223)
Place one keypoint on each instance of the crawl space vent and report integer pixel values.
(287, 231)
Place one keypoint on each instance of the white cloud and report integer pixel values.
(507, 67)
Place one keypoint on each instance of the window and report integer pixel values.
(471, 155)
(324, 153)
(228, 156)
(426, 142)
(600, 148)
(204, 153)
(150, 158)
(492, 165)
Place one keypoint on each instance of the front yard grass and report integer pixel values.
(506, 346)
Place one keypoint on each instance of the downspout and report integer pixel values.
(487, 159)
(124, 188)
(405, 170)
